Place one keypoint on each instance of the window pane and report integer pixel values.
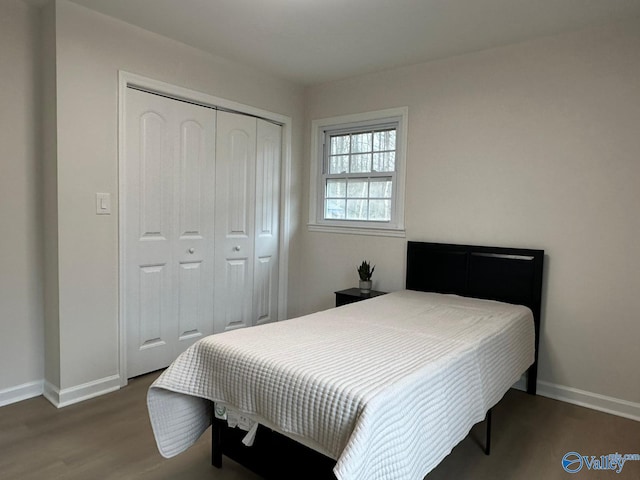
(357, 209)
(357, 189)
(339, 164)
(384, 162)
(380, 189)
(334, 209)
(384, 140)
(361, 163)
(339, 144)
(380, 210)
(336, 188)
(361, 142)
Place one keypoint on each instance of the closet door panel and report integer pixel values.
(235, 220)
(168, 228)
(194, 245)
(269, 140)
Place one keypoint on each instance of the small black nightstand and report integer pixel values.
(352, 295)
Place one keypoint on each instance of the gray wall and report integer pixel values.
(59, 147)
(21, 291)
(91, 48)
(532, 145)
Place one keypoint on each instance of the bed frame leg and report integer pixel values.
(487, 445)
(216, 441)
(532, 378)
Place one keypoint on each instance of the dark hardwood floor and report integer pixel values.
(110, 438)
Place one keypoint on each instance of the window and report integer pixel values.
(358, 186)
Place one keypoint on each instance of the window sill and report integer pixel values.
(377, 232)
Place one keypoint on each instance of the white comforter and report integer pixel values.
(387, 387)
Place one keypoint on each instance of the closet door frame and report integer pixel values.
(131, 80)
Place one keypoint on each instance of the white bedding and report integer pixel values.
(387, 387)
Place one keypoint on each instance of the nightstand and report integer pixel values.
(352, 295)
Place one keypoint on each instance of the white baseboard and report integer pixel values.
(79, 393)
(69, 396)
(21, 392)
(595, 401)
(582, 398)
(51, 393)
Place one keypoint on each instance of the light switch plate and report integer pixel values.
(103, 204)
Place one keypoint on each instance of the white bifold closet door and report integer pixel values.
(201, 221)
(169, 251)
(247, 220)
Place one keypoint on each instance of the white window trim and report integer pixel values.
(318, 128)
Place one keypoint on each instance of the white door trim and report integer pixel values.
(126, 79)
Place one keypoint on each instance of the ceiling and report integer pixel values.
(315, 41)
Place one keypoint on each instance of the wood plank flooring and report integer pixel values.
(110, 438)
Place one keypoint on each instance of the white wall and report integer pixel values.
(21, 297)
(533, 145)
(90, 49)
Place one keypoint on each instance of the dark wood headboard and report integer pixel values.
(511, 275)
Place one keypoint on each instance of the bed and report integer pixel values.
(380, 389)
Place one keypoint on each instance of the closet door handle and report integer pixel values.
(236, 248)
(192, 250)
